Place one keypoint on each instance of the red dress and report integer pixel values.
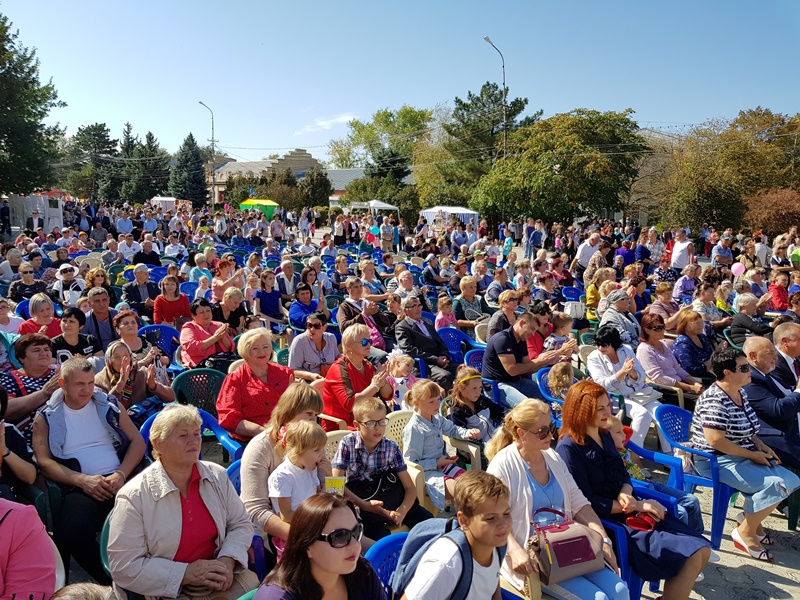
(342, 383)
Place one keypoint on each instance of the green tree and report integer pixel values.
(473, 143)
(577, 163)
(27, 145)
(93, 145)
(387, 161)
(187, 180)
(316, 188)
(396, 129)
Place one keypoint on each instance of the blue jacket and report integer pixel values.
(778, 414)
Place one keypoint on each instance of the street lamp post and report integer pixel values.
(213, 154)
(505, 106)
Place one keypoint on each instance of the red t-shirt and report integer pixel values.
(198, 530)
(30, 326)
(536, 342)
(337, 396)
(245, 396)
(166, 311)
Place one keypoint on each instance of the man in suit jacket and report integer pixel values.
(777, 407)
(787, 367)
(417, 337)
(141, 293)
(35, 221)
(287, 281)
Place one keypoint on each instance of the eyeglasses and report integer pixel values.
(340, 538)
(656, 328)
(412, 306)
(602, 345)
(314, 325)
(26, 272)
(365, 342)
(743, 368)
(544, 432)
(379, 423)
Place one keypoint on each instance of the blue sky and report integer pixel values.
(290, 74)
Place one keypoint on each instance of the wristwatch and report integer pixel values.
(607, 540)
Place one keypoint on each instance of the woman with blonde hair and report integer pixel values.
(520, 452)
(468, 307)
(352, 377)
(376, 291)
(593, 290)
(98, 277)
(264, 452)
(159, 549)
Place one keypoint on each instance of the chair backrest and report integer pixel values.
(334, 437)
(164, 336)
(22, 309)
(189, 288)
(544, 385)
(480, 331)
(234, 474)
(235, 365)
(383, 557)
(430, 316)
(572, 294)
(452, 338)
(397, 422)
(61, 574)
(587, 338)
(199, 387)
(474, 359)
(282, 357)
(584, 352)
(675, 423)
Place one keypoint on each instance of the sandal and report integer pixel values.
(764, 540)
(739, 544)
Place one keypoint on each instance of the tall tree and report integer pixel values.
(395, 129)
(475, 131)
(92, 145)
(582, 162)
(187, 180)
(385, 161)
(27, 145)
(316, 187)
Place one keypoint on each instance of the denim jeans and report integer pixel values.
(688, 505)
(512, 393)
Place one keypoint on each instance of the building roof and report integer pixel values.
(341, 178)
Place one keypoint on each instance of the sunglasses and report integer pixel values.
(743, 368)
(27, 272)
(314, 325)
(340, 538)
(365, 342)
(656, 328)
(601, 345)
(544, 432)
(373, 424)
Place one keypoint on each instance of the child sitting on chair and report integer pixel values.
(400, 377)
(688, 504)
(423, 443)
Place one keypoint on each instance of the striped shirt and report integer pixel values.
(716, 410)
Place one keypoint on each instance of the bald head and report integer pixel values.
(761, 353)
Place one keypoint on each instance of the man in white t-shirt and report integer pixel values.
(484, 516)
(682, 250)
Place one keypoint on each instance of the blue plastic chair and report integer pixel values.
(189, 288)
(572, 294)
(22, 309)
(430, 316)
(164, 336)
(474, 358)
(675, 424)
(423, 368)
(234, 474)
(453, 338)
(383, 557)
(210, 424)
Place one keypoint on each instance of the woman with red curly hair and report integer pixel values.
(671, 550)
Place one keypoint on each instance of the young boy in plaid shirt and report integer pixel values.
(368, 461)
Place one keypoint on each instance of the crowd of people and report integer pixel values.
(364, 320)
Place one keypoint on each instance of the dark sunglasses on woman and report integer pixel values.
(340, 538)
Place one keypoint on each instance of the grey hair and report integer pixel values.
(783, 331)
(743, 300)
(76, 363)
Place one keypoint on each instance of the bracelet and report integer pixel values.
(607, 541)
(7, 454)
(121, 472)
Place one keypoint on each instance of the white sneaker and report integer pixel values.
(700, 578)
(714, 558)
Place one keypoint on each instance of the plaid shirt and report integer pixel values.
(357, 462)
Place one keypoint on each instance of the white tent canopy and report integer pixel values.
(373, 206)
(464, 214)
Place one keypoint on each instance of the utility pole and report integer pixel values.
(505, 105)
(213, 156)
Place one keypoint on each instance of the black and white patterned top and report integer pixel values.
(716, 410)
(18, 384)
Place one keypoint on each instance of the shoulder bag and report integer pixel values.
(564, 550)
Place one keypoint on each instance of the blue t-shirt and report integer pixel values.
(298, 312)
(269, 303)
(549, 495)
(502, 343)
